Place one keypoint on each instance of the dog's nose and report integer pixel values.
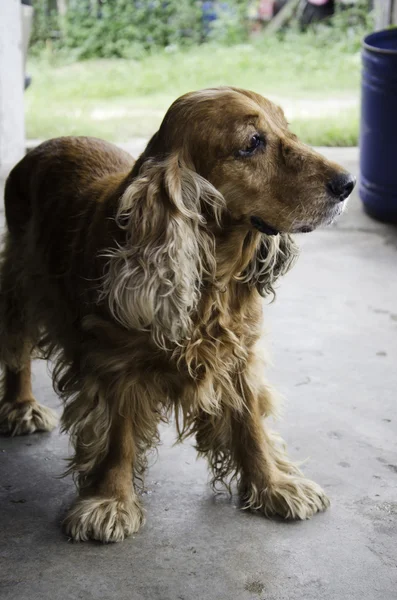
(341, 186)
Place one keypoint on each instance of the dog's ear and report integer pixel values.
(275, 255)
(153, 281)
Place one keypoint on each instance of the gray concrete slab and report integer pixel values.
(333, 337)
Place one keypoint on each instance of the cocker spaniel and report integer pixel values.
(142, 282)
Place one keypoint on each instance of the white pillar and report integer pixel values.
(12, 132)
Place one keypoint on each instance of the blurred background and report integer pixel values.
(111, 68)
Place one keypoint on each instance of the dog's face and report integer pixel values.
(240, 142)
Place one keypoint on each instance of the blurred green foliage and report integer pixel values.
(132, 28)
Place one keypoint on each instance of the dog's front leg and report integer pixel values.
(109, 443)
(269, 482)
(237, 442)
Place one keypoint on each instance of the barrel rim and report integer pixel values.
(383, 33)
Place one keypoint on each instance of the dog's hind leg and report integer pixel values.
(19, 411)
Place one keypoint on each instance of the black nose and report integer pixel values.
(341, 186)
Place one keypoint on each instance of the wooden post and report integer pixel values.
(285, 15)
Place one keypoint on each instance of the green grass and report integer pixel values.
(121, 99)
(324, 131)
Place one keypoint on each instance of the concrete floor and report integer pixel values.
(333, 335)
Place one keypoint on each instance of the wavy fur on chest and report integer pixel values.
(178, 258)
(191, 280)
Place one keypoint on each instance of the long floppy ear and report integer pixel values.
(152, 282)
(275, 256)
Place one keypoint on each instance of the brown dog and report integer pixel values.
(143, 283)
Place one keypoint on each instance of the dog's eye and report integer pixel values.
(255, 142)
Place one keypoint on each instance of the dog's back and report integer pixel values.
(57, 177)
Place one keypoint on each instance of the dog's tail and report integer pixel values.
(16, 201)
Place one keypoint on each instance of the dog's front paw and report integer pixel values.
(103, 519)
(289, 497)
(27, 417)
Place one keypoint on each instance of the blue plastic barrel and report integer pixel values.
(378, 135)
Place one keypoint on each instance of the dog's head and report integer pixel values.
(240, 142)
(222, 167)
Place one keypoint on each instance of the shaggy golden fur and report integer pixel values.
(143, 282)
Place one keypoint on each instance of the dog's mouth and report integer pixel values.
(263, 227)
